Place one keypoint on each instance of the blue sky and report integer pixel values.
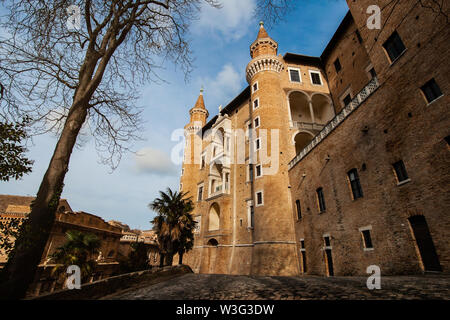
(220, 40)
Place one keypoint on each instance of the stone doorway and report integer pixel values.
(424, 243)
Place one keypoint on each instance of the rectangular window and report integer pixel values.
(326, 239)
(299, 209)
(394, 46)
(315, 77)
(255, 86)
(259, 198)
(203, 161)
(250, 172)
(256, 122)
(294, 75)
(200, 193)
(400, 171)
(256, 103)
(355, 184)
(347, 100)
(257, 144)
(258, 170)
(337, 65)
(431, 90)
(321, 200)
(302, 243)
(252, 217)
(367, 239)
(358, 35)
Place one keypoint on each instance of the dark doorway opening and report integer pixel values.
(329, 262)
(304, 261)
(425, 243)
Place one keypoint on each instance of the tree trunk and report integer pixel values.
(180, 257)
(22, 265)
(161, 260)
(169, 259)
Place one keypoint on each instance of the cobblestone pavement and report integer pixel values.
(229, 287)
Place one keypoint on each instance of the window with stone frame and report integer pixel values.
(355, 184)
(200, 193)
(294, 75)
(315, 77)
(321, 199)
(400, 171)
(431, 90)
(259, 170)
(299, 209)
(367, 239)
(259, 198)
(394, 46)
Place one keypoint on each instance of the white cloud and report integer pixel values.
(224, 86)
(149, 160)
(232, 20)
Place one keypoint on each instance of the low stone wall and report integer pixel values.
(104, 287)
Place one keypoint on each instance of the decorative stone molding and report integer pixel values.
(258, 42)
(263, 63)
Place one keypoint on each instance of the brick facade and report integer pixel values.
(321, 139)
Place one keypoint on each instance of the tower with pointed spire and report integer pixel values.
(236, 168)
(193, 144)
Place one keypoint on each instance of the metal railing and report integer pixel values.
(337, 120)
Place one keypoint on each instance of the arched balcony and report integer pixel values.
(322, 108)
(299, 108)
(309, 113)
(301, 140)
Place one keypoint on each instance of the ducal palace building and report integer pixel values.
(328, 165)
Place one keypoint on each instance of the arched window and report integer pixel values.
(214, 217)
(213, 242)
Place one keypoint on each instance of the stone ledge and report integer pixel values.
(104, 287)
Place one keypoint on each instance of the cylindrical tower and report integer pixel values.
(193, 146)
(274, 250)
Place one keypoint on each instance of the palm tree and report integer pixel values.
(79, 249)
(174, 224)
(186, 240)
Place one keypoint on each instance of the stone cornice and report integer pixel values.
(263, 63)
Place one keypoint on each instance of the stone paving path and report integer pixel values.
(230, 287)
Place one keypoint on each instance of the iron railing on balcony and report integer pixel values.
(337, 120)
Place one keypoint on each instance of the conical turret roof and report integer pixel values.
(200, 102)
(262, 32)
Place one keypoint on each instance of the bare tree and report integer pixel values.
(70, 75)
(272, 11)
(79, 67)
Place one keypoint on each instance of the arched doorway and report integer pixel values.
(302, 139)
